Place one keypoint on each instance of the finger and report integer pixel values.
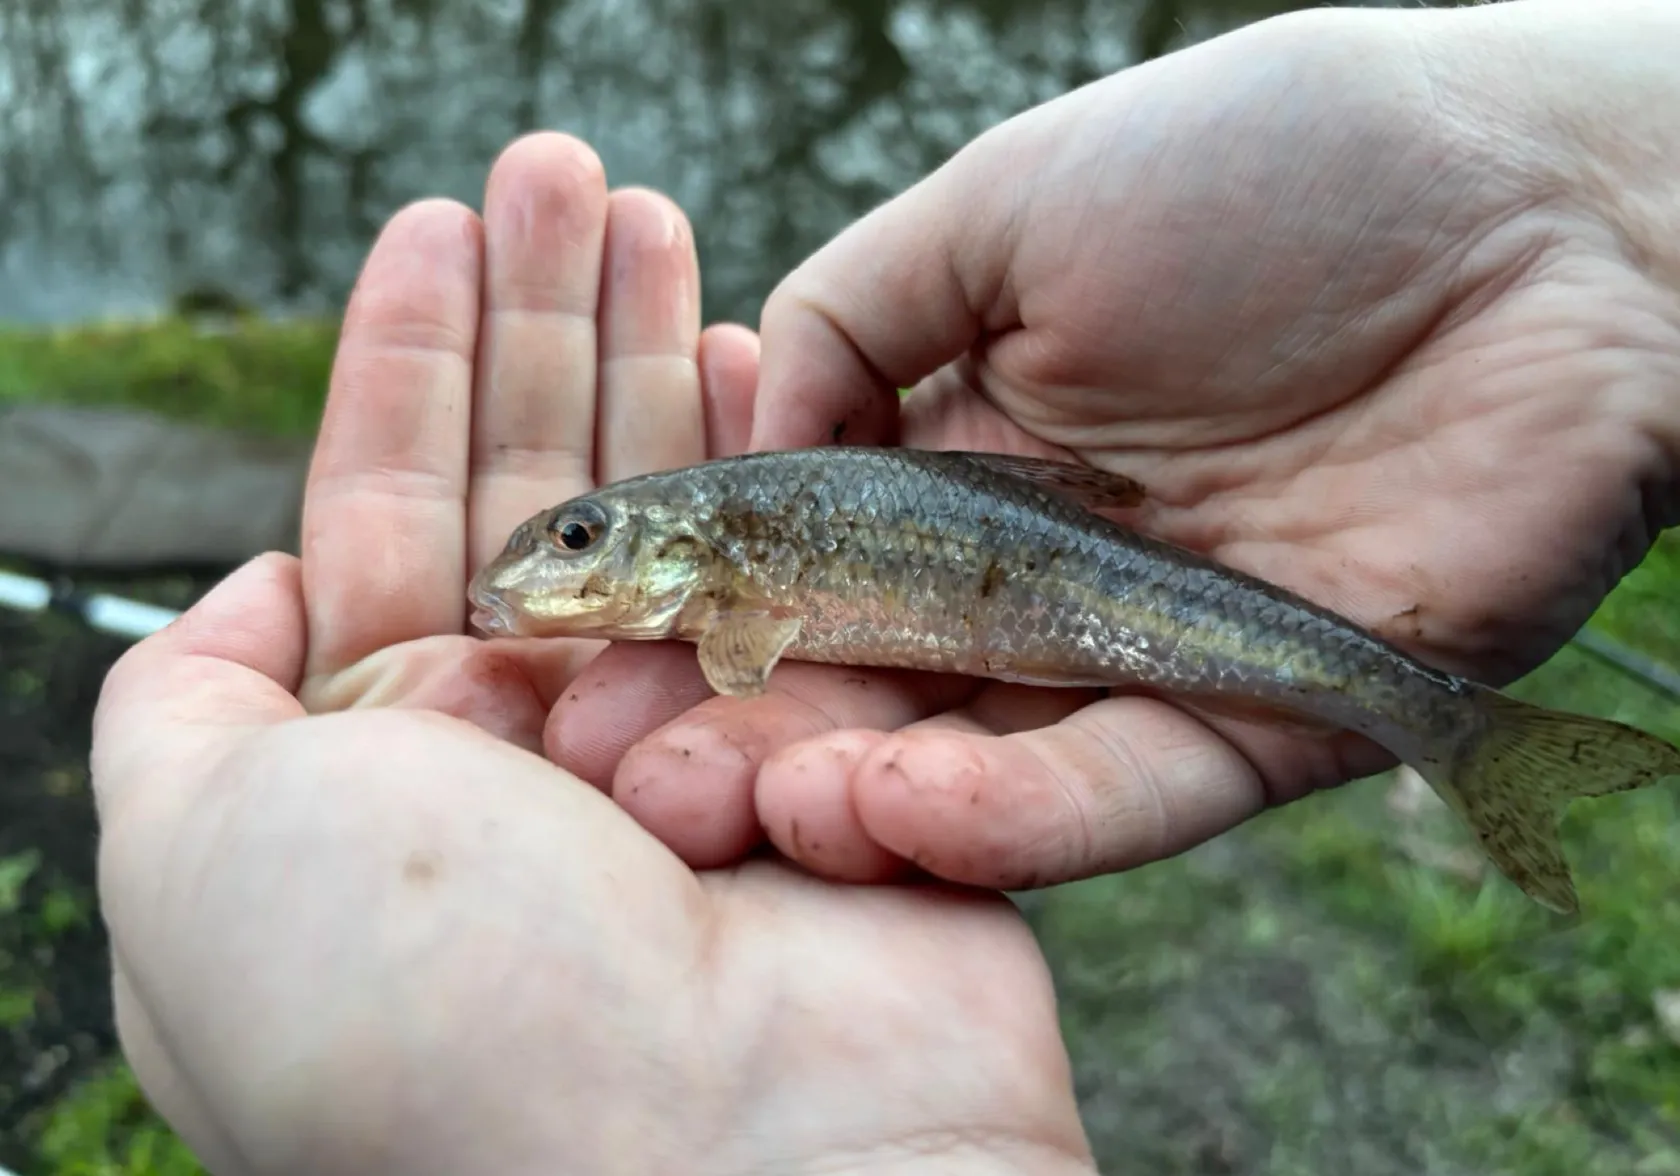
(803, 794)
(803, 801)
(906, 289)
(596, 722)
(629, 690)
(651, 414)
(728, 380)
(383, 519)
(1122, 782)
(533, 431)
(227, 666)
(690, 783)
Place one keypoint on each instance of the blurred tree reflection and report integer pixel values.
(152, 146)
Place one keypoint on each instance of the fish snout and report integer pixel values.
(492, 613)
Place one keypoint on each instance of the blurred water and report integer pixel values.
(149, 148)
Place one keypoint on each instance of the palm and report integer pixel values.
(534, 947)
(507, 694)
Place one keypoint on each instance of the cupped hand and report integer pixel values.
(1368, 316)
(488, 369)
(359, 926)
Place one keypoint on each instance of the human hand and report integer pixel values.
(1376, 306)
(455, 415)
(358, 926)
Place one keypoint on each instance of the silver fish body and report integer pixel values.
(1000, 568)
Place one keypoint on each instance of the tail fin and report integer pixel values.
(1513, 780)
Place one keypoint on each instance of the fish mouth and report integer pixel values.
(489, 623)
(492, 615)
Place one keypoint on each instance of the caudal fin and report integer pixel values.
(1513, 781)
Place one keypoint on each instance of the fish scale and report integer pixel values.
(1079, 599)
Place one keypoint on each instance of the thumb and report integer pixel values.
(894, 297)
(190, 692)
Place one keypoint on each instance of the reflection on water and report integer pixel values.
(150, 147)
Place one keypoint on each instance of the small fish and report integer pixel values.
(1001, 567)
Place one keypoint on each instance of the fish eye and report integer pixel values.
(578, 527)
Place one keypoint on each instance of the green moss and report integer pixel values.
(62, 910)
(15, 872)
(242, 372)
(105, 1127)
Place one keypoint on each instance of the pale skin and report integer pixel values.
(387, 898)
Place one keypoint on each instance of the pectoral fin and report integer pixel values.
(740, 649)
(1083, 483)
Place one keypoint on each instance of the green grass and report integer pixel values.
(1309, 994)
(242, 373)
(1644, 612)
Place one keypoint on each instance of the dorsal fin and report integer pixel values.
(1083, 483)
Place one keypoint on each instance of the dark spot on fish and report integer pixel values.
(676, 545)
(421, 868)
(860, 683)
(837, 431)
(992, 580)
(686, 752)
(597, 585)
(572, 697)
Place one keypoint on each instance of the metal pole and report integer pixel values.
(99, 610)
(1635, 665)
